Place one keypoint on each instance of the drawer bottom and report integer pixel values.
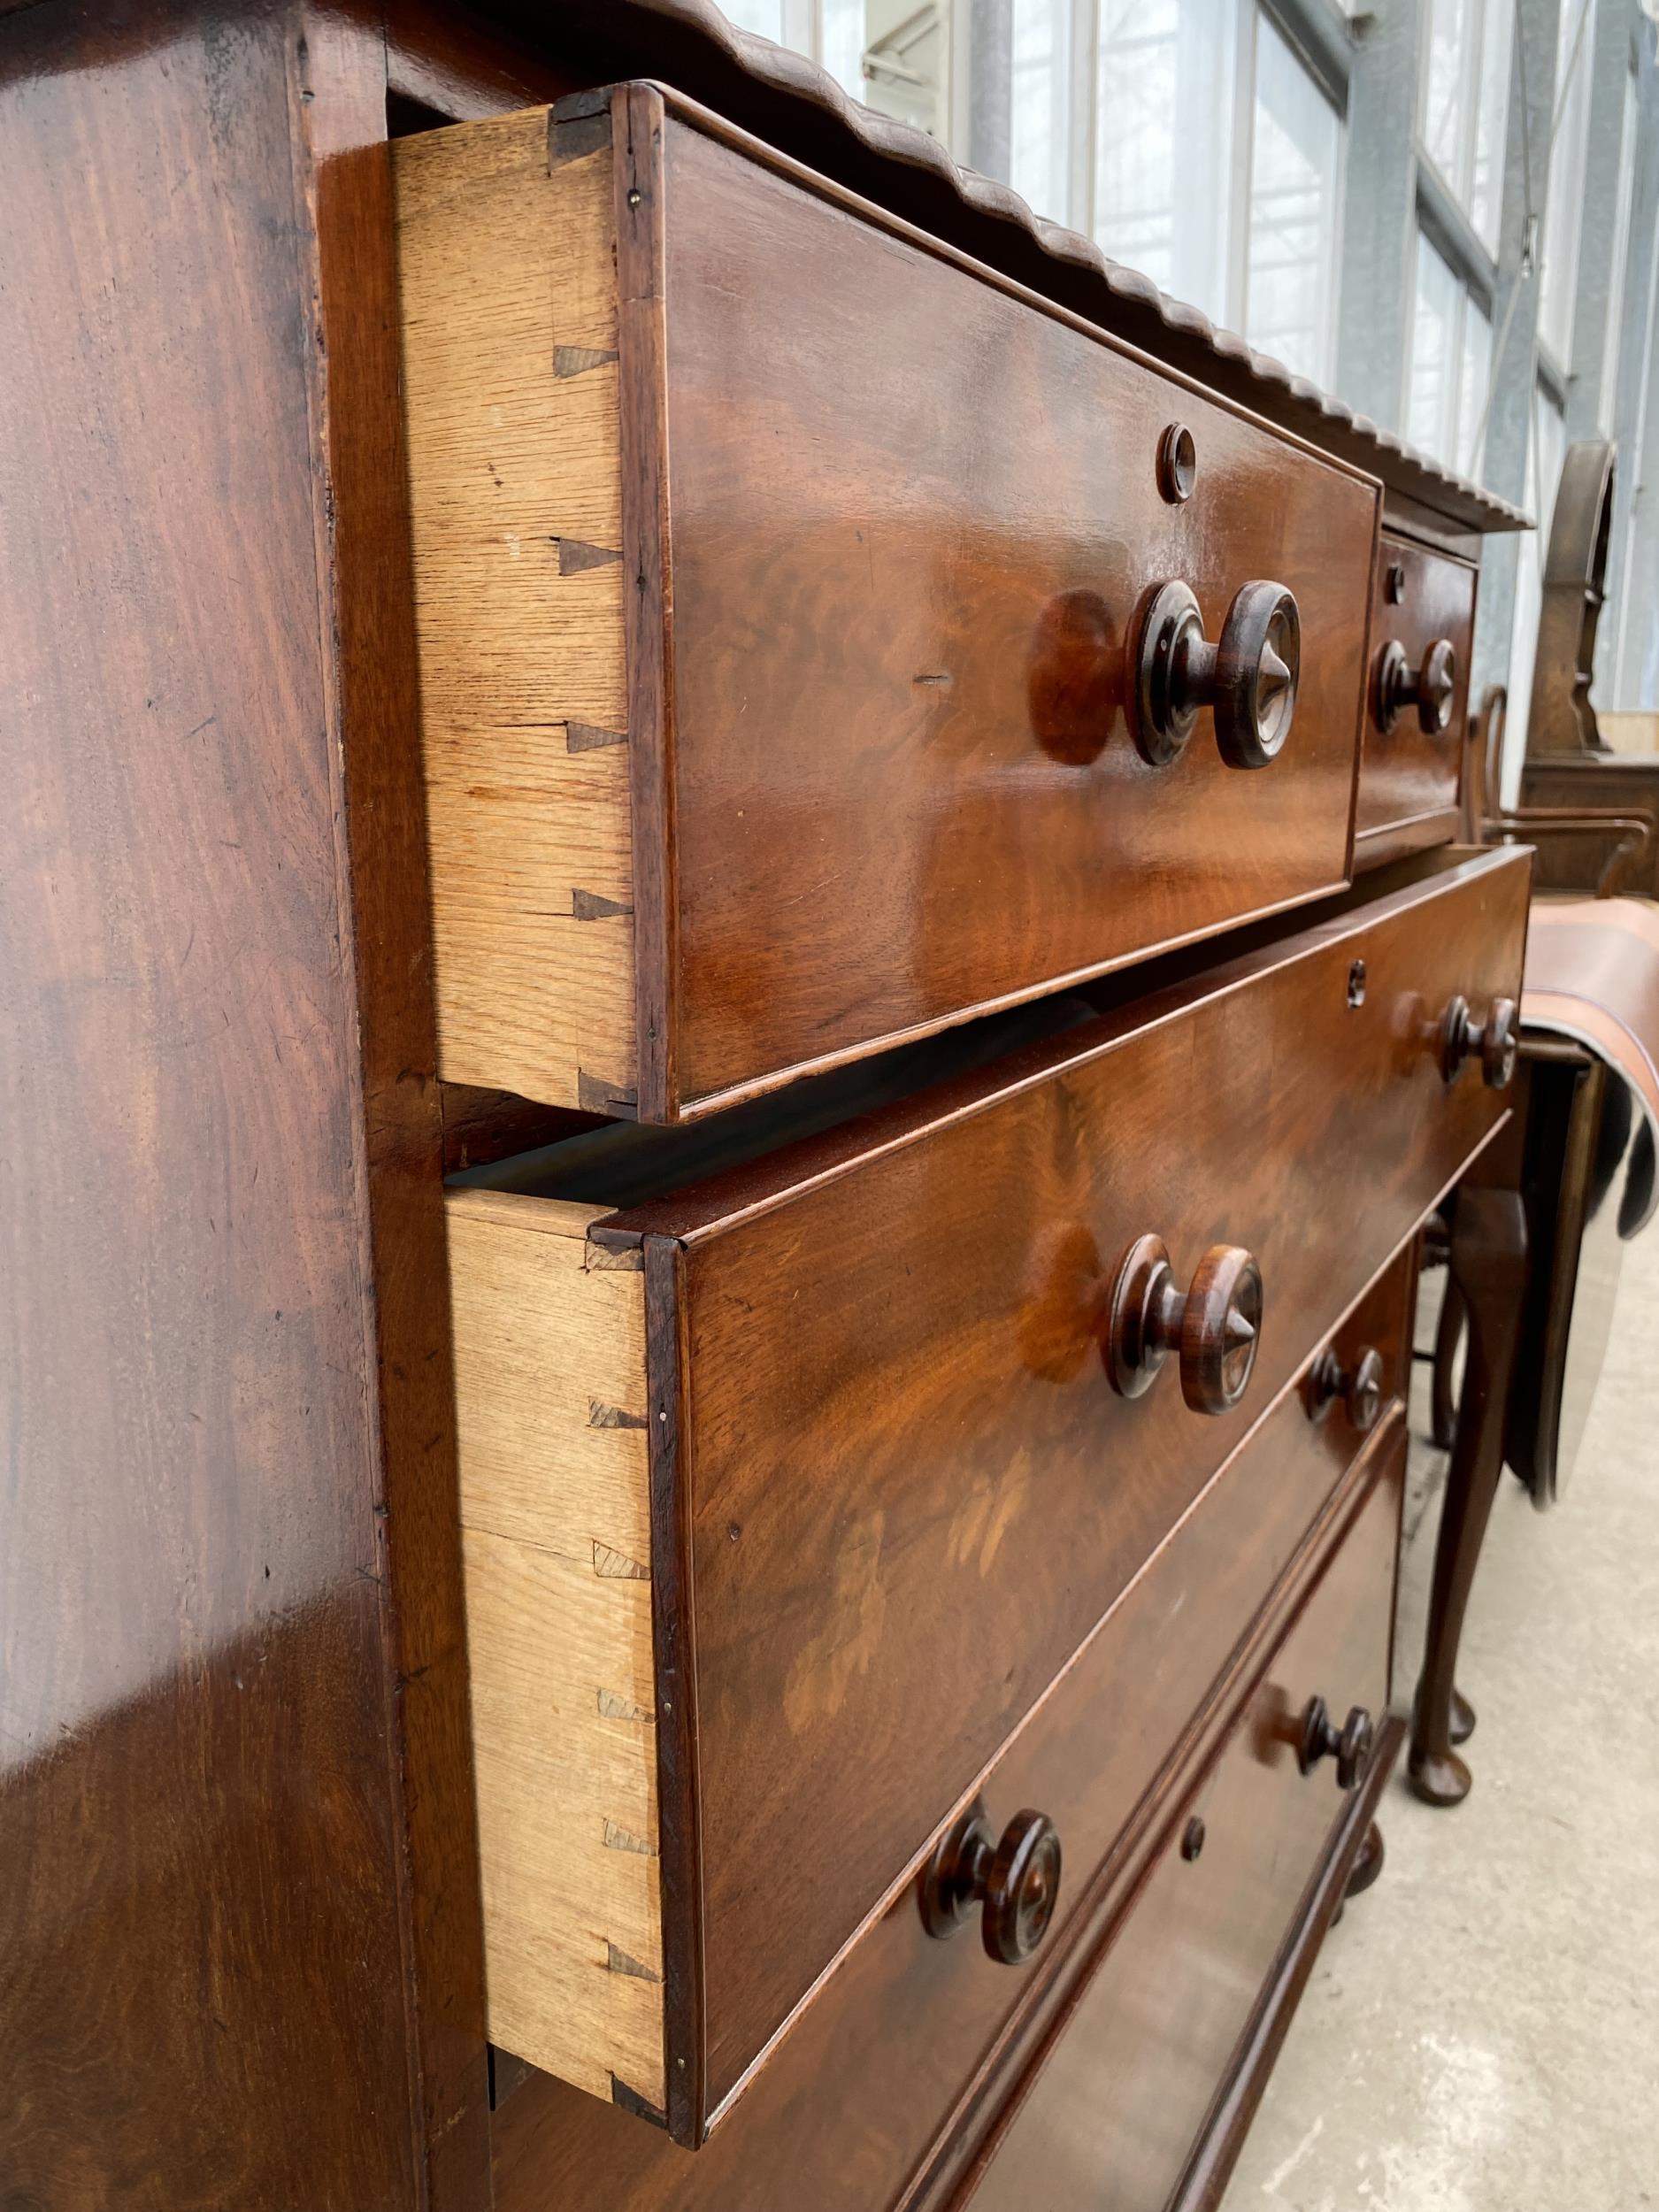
(1141, 2095)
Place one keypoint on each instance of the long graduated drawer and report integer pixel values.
(881, 2090)
(1117, 2114)
(788, 1493)
(791, 677)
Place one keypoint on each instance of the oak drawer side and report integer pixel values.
(549, 1358)
(507, 274)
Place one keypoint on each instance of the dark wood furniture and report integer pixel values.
(1423, 617)
(1568, 763)
(1613, 850)
(1539, 1226)
(778, 1638)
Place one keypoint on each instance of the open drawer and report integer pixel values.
(775, 706)
(788, 1493)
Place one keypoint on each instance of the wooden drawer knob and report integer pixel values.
(1015, 1878)
(1430, 686)
(1495, 1041)
(1216, 1326)
(1250, 678)
(1350, 1745)
(1359, 1387)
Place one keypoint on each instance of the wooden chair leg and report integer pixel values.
(1449, 1336)
(1489, 1268)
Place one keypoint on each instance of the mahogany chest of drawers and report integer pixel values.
(815, 1472)
(738, 928)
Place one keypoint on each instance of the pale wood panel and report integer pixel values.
(550, 1362)
(510, 340)
(541, 1340)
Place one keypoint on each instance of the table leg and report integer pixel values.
(1488, 1266)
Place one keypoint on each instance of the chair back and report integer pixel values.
(1561, 722)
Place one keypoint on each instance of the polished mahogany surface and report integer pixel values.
(1113, 2114)
(911, 519)
(239, 1960)
(1408, 775)
(908, 2030)
(900, 1458)
(204, 2000)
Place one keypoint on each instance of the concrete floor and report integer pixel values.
(1481, 2033)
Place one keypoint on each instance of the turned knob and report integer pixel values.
(1216, 1326)
(1350, 1746)
(1430, 686)
(1359, 1387)
(1495, 1041)
(1250, 678)
(1015, 1878)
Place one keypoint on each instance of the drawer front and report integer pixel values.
(850, 758)
(1416, 701)
(899, 1460)
(1116, 2109)
(873, 1446)
(909, 2033)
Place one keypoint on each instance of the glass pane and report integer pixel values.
(1451, 31)
(764, 16)
(1608, 407)
(1294, 167)
(1468, 456)
(1465, 107)
(1432, 400)
(1551, 427)
(904, 61)
(841, 47)
(1164, 159)
(1564, 203)
(1040, 137)
(1484, 198)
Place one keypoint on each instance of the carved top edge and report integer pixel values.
(1121, 299)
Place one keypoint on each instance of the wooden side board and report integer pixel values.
(211, 1981)
(549, 1347)
(510, 324)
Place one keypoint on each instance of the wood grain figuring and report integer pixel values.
(899, 1460)
(878, 765)
(511, 388)
(917, 1330)
(919, 2037)
(1115, 2110)
(1409, 779)
(208, 1992)
(550, 1354)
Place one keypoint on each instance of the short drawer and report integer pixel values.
(1416, 701)
(797, 1487)
(784, 584)
(1117, 2109)
(882, 2088)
